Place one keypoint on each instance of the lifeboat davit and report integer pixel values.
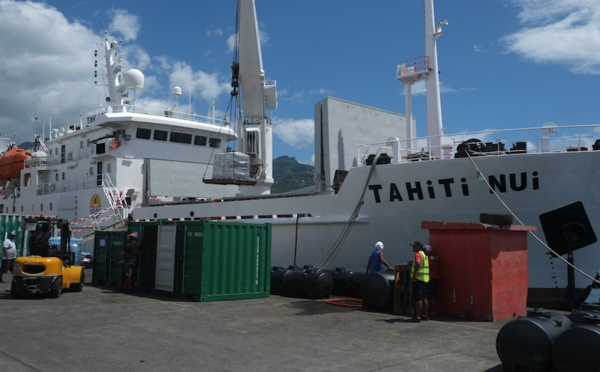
(12, 162)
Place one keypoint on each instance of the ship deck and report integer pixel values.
(101, 329)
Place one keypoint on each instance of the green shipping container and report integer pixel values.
(224, 260)
(18, 224)
(147, 233)
(204, 260)
(108, 245)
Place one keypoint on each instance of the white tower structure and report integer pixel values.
(258, 95)
(426, 68)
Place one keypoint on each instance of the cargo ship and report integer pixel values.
(130, 162)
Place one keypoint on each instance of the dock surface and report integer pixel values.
(101, 329)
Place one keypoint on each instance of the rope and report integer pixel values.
(212, 151)
(335, 248)
(482, 176)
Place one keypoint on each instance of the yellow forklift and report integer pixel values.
(49, 269)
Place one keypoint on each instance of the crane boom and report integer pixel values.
(251, 73)
(255, 131)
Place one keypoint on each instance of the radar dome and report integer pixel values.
(134, 79)
(177, 91)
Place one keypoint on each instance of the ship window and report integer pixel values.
(91, 171)
(200, 140)
(56, 177)
(50, 207)
(100, 148)
(99, 174)
(63, 175)
(160, 135)
(180, 137)
(80, 144)
(42, 207)
(252, 142)
(214, 142)
(143, 133)
(62, 153)
(108, 168)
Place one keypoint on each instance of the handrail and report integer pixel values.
(547, 138)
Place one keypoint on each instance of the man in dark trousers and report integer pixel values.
(130, 254)
(420, 277)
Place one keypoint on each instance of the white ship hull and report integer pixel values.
(400, 196)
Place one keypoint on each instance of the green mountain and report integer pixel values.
(290, 175)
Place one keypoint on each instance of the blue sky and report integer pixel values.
(504, 63)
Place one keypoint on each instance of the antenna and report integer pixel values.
(426, 68)
(176, 94)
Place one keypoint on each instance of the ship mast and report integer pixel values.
(112, 75)
(426, 68)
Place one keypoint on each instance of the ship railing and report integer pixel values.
(71, 184)
(70, 156)
(168, 112)
(548, 138)
(368, 152)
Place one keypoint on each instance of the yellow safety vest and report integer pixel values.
(423, 272)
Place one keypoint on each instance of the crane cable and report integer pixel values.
(335, 248)
(235, 111)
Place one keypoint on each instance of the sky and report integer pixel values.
(503, 63)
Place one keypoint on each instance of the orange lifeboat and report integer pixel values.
(12, 162)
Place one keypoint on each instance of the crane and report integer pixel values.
(256, 96)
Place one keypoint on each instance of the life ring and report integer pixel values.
(115, 144)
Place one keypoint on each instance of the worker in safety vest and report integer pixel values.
(420, 277)
(434, 276)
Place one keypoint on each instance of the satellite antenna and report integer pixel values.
(176, 94)
(134, 80)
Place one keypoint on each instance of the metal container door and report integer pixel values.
(165, 258)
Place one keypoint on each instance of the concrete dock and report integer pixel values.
(101, 329)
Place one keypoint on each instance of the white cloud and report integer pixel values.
(217, 32)
(479, 48)
(231, 42)
(296, 133)
(138, 57)
(559, 31)
(47, 69)
(199, 83)
(127, 25)
(320, 92)
(262, 36)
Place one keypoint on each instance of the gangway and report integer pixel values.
(113, 211)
